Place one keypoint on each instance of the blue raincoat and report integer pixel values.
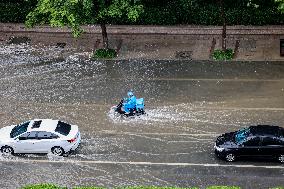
(130, 103)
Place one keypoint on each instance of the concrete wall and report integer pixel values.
(160, 42)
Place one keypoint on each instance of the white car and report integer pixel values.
(40, 136)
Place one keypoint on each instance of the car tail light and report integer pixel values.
(72, 140)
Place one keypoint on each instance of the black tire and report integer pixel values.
(281, 158)
(7, 150)
(57, 151)
(230, 157)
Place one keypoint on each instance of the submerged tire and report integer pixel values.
(7, 150)
(230, 157)
(57, 151)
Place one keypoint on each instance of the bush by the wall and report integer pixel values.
(219, 54)
(104, 54)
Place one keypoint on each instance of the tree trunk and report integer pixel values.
(213, 44)
(224, 29)
(236, 50)
(104, 34)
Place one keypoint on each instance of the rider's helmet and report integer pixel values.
(130, 94)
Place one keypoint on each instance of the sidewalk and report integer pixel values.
(261, 43)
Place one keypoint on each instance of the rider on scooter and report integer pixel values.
(130, 103)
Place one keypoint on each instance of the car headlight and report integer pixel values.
(219, 149)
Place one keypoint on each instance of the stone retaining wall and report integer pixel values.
(159, 42)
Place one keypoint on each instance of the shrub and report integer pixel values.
(153, 187)
(104, 53)
(223, 187)
(43, 186)
(223, 55)
(88, 187)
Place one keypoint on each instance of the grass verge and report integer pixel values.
(52, 186)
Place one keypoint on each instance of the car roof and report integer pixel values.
(265, 130)
(45, 125)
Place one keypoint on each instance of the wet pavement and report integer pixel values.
(188, 104)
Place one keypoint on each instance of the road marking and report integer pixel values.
(165, 134)
(236, 108)
(144, 163)
(216, 79)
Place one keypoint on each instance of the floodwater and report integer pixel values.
(188, 104)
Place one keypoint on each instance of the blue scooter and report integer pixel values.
(137, 111)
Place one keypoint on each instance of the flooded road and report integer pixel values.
(188, 104)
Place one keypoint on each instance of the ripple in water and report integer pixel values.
(186, 112)
(165, 114)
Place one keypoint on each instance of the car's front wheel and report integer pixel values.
(230, 157)
(281, 158)
(58, 151)
(7, 150)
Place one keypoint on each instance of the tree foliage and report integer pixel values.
(117, 9)
(281, 5)
(74, 13)
(172, 12)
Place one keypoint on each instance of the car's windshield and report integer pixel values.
(241, 135)
(19, 129)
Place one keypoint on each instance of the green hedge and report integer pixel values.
(15, 11)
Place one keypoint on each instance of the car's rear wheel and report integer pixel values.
(58, 151)
(281, 158)
(230, 157)
(7, 150)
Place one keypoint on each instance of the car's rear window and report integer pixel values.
(63, 128)
(281, 131)
(265, 130)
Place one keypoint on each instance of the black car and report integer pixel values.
(261, 141)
